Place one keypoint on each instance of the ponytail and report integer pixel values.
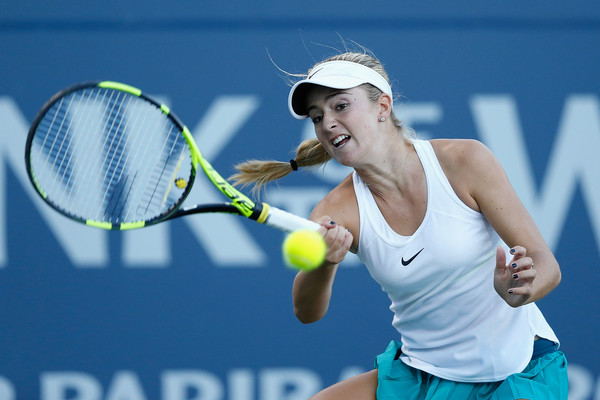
(309, 153)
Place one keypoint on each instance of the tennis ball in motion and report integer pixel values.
(304, 249)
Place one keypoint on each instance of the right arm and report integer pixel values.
(311, 291)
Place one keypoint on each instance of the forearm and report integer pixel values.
(311, 293)
(548, 275)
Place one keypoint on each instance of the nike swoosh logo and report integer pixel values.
(405, 263)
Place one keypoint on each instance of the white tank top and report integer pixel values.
(452, 322)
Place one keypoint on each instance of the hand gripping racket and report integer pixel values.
(107, 155)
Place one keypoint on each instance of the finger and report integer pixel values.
(526, 290)
(500, 258)
(521, 264)
(348, 240)
(326, 221)
(338, 241)
(336, 236)
(328, 229)
(518, 252)
(526, 275)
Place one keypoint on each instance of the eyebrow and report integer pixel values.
(329, 96)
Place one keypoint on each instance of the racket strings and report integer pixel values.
(83, 151)
(128, 186)
(68, 190)
(54, 153)
(115, 164)
(109, 156)
(93, 165)
(152, 182)
(90, 157)
(164, 184)
(51, 149)
(136, 155)
(156, 174)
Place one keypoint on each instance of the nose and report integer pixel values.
(329, 121)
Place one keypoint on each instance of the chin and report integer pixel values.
(346, 161)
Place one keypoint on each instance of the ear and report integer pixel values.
(386, 105)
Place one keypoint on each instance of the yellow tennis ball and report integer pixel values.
(304, 249)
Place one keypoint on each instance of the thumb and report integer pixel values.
(500, 258)
(325, 221)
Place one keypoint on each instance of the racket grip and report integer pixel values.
(288, 222)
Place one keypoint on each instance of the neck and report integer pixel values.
(393, 168)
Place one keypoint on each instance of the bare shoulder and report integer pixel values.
(341, 206)
(460, 153)
(468, 164)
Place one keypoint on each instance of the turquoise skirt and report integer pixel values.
(544, 378)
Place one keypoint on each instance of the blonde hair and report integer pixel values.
(310, 153)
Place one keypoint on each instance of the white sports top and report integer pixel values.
(452, 322)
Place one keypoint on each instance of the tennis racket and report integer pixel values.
(107, 155)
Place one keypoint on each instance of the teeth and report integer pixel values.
(339, 139)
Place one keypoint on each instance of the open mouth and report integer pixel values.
(340, 140)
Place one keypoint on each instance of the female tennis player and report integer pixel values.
(440, 228)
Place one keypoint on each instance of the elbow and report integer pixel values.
(306, 320)
(553, 279)
(554, 276)
(307, 317)
(557, 276)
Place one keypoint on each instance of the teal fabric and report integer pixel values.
(545, 378)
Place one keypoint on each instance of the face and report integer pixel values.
(344, 120)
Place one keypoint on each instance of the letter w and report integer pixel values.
(574, 159)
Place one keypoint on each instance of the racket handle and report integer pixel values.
(287, 222)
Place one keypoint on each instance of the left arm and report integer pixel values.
(484, 186)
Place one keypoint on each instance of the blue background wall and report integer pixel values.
(175, 312)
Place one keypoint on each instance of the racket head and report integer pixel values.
(107, 155)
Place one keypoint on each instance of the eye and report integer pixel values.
(316, 119)
(341, 106)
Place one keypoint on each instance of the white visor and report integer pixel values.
(335, 75)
